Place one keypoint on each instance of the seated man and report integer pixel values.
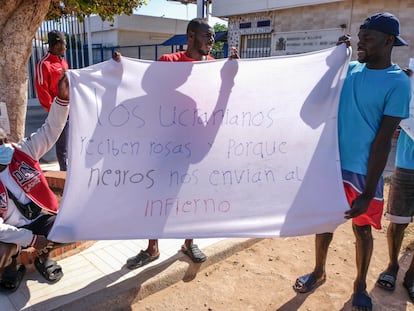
(27, 205)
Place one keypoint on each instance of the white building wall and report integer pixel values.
(135, 30)
(225, 8)
(319, 23)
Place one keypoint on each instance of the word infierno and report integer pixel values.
(168, 206)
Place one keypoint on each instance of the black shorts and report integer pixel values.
(400, 208)
(42, 225)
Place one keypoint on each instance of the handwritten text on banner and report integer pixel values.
(240, 148)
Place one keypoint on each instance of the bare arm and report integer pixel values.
(377, 160)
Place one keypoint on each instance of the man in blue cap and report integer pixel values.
(375, 97)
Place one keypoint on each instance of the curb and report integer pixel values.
(121, 295)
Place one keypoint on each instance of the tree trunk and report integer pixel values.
(19, 21)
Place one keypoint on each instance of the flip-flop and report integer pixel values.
(410, 291)
(50, 270)
(386, 281)
(361, 300)
(307, 283)
(11, 279)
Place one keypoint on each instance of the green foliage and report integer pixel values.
(219, 27)
(106, 9)
(218, 46)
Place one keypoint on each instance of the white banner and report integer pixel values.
(408, 124)
(240, 148)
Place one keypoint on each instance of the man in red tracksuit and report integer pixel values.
(48, 72)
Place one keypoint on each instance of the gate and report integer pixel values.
(256, 45)
(76, 52)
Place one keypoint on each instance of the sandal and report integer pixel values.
(195, 254)
(50, 270)
(386, 281)
(410, 290)
(11, 279)
(143, 258)
(361, 301)
(307, 283)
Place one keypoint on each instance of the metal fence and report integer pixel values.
(77, 54)
(256, 45)
(148, 52)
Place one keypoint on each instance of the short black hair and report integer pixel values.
(195, 23)
(54, 37)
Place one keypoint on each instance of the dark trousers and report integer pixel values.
(42, 225)
(62, 147)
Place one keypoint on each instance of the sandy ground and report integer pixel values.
(261, 278)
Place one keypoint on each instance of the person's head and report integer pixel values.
(57, 42)
(200, 38)
(6, 150)
(377, 36)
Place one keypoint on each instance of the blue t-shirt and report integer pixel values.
(405, 151)
(367, 95)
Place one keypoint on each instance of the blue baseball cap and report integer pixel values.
(386, 23)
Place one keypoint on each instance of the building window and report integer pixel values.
(245, 25)
(257, 45)
(263, 23)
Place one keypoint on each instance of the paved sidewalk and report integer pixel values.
(96, 278)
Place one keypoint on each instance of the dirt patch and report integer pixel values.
(261, 278)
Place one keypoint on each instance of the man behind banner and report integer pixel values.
(400, 212)
(375, 98)
(48, 72)
(200, 40)
(27, 205)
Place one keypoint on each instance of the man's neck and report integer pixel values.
(195, 55)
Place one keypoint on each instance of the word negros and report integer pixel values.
(120, 177)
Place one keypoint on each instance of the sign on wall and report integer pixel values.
(296, 42)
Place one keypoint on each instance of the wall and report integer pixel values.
(348, 14)
(223, 8)
(135, 30)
